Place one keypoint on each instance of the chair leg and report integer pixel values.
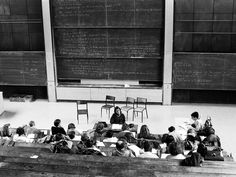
(127, 115)
(133, 115)
(109, 114)
(146, 113)
(101, 112)
(142, 117)
(78, 118)
(87, 118)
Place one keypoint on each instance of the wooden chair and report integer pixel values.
(141, 104)
(82, 108)
(128, 106)
(109, 103)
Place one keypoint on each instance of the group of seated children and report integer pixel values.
(144, 145)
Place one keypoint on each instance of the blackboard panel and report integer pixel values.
(4, 8)
(21, 68)
(184, 6)
(222, 26)
(36, 42)
(108, 43)
(222, 6)
(183, 42)
(81, 42)
(122, 69)
(181, 25)
(203, 6)
(18, 7)
(221, 43)
(148, 42)
(112, 13)
(20, 28)
(120, 12)
(204, 71)
(149, 13)
(233, 38)
(21, 41)
(121, 43)
(79, 13)
(34, 7)
(5, 28)
(203, 26)
(6, 41)
(202, 42)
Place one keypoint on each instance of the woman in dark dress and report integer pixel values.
(118, 117)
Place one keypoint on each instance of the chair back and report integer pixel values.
(130, 101)
(82, 107)
(110, 99)
(141, 101)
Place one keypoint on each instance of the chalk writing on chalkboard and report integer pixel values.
(204, 71)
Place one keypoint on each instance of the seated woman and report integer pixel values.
(57, 128)
(20, 135)
(118, 117)
(176, 151)
(145, 133)
(122, 149)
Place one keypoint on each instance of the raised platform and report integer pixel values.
(98, 92)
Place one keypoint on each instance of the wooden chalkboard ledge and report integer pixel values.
(149, 86)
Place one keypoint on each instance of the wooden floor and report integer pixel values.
(159, 118)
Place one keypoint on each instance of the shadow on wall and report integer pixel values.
(7, 115)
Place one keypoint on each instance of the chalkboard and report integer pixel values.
(124, 69)
(23, 68)
(115, 39)
(21, 26)
(204, 71)
(209, 23)
(115, 43)
(112, 13)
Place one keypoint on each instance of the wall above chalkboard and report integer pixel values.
(204, 71)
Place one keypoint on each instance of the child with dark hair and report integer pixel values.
(118, 117)
(145, 133)
(176, 151)
(176, 136)
(20, 135)
(197, 124)
(148, 146)
(121, 149)
(71, 127)
(57, 128)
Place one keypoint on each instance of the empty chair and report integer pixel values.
(141, 104)
(129, 105)
(109, 103)
(82, 108)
